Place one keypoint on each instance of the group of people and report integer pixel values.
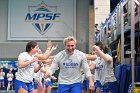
(9, 76)
(71, 63)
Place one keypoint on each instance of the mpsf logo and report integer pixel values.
(42, 17)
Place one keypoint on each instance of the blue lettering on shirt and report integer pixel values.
(70, 64)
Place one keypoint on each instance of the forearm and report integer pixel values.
(43, 70)
(91, 57)
(106, 57)
(24, 64)
(48, 61)
(91, 83)
(92, 66)
(45, 55)
(90, 78)
(37, 68)
(86, 68)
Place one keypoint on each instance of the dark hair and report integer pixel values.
(30, 45)
(102, 46)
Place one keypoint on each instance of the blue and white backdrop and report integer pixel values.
(41, 19)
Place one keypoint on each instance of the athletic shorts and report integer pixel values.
(110, 86)
(36, 85)
(27, 86)
(86, 84)
(97, 84)
(1, 80)
(70, 88)
(48, 83)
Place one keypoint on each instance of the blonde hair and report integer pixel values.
(70, 38)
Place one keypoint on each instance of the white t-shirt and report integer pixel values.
(70, 67)
(2, 74)
(10, 76)
(25, 74)
(38, 75)
(104, 71)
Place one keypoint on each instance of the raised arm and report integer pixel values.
(48, 51)
(103, 55)
(23, 64)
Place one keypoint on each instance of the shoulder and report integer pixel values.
(110, 59)
(80, 53)
(60, 54)
(23, 54)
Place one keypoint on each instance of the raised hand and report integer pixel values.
(49, 44)
(96, 48)
(54, 47)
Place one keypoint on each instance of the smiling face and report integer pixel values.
(70, 44)
(70, 47)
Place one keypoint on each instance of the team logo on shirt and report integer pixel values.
(42, 17)
(70, 64)
(100, 67)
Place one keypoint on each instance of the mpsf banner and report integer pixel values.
(41, 19)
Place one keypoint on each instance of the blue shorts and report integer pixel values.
(86, 84)
(1, 80)
(27, 86)
(111, 86)
(70, 88)
(36, 85)
(97, 84)
(48, 83)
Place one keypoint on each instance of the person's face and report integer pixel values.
(10, 71)
(70, 46)
(1, 70)
(35, 49)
